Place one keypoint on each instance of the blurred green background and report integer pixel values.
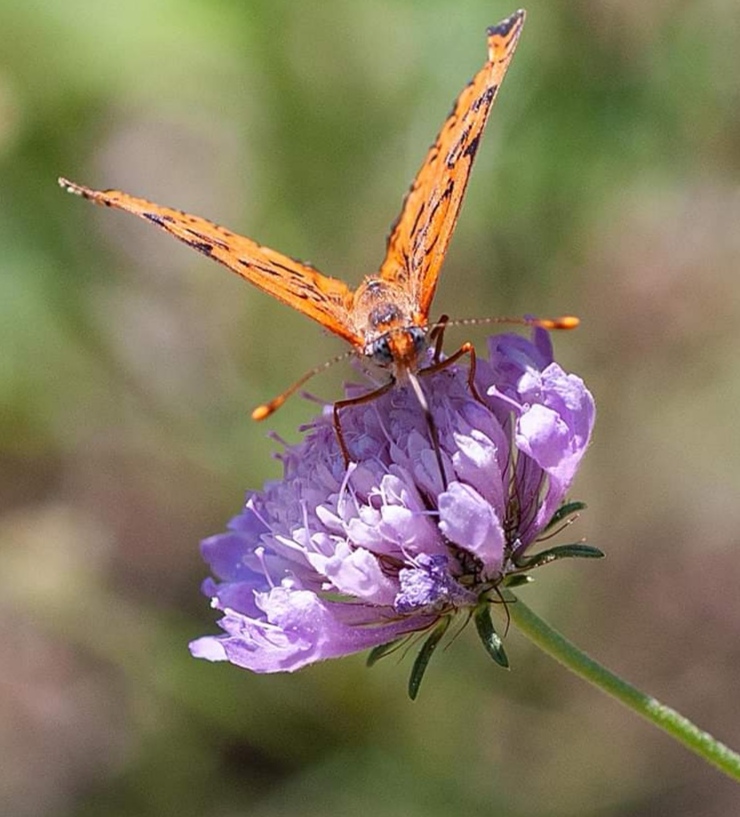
(608, 185)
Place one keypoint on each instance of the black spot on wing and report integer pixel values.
(503, 28)
(201, 246)
(417, 218)
(485, 98)
(300, 287)
(403, 276)
(454, 152)
(422, 239)
(245, 262)
(291, 271)
(471, 149)
(206, 239)
(155, 218)
(303, 295)
(446, 193)
(429, 247)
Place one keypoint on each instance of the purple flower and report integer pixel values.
(332, 560)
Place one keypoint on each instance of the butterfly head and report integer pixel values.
(398, 349)
(394, 334)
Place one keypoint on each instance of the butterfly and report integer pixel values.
(386, 319)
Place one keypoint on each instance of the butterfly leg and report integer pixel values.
(355, 401)
(436, 336)
(465, 349)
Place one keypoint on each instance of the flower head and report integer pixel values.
(331, 560)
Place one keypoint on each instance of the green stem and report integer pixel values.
(549, 640)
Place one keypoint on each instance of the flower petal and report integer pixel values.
(470, 522)
(298, 629)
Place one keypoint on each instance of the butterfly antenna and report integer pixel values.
(564, 322)
(266, 409)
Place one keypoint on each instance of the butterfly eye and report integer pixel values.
(419, 339)
(380, 352)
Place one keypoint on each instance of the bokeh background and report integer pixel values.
(608, 185)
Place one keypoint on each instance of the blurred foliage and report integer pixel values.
(608, 185)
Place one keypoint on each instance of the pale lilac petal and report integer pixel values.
(208, 647)
(555, 434)
(556, 438)
(299, 629)
(356, 572)
(544, 436)
(227, 555)
(471, 523)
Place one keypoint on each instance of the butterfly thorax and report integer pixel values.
(394, 332)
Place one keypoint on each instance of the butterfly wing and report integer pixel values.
(299, 285)
(420, 236)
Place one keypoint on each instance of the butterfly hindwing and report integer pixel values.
(420, 236)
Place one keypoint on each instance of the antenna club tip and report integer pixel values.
(567, 322)
(261, 412)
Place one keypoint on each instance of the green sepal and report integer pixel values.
(425, 655)
(381, 651)
(517, 580)
(564, 511)
(575, 550)
(488, 635)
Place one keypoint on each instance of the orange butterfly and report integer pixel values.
(386, 319)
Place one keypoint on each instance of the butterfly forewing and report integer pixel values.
(324, 299)
(419, 238)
